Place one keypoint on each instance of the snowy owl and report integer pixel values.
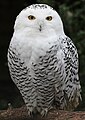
(43, 61)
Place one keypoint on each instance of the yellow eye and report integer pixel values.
(31, 17)
(49, 18)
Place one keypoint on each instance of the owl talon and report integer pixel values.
(29, 113)
(44, 112)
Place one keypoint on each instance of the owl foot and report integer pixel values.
(44, 112)
(30, 113)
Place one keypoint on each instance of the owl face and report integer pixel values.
(39, 18)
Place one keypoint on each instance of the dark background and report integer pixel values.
(73, 16)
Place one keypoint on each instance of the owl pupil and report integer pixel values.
(49, 18)
(30, 17)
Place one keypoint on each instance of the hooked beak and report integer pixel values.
(40, 28)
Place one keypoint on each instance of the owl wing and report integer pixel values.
(72, 86)
(19, 72)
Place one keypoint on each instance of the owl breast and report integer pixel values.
(45, 72)
(40, 56)
(31, 49)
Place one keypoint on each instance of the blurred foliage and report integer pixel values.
(50, 2)
(73, 17)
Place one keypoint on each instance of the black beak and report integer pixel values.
(40, 28)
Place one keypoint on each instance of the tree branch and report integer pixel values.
(21, 114)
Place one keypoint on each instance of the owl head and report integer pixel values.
(39, 18)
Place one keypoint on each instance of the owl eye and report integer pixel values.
(31, 17)
(49, 18)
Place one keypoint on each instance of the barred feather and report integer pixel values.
(55, 80)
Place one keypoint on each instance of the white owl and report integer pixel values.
(43, 61)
